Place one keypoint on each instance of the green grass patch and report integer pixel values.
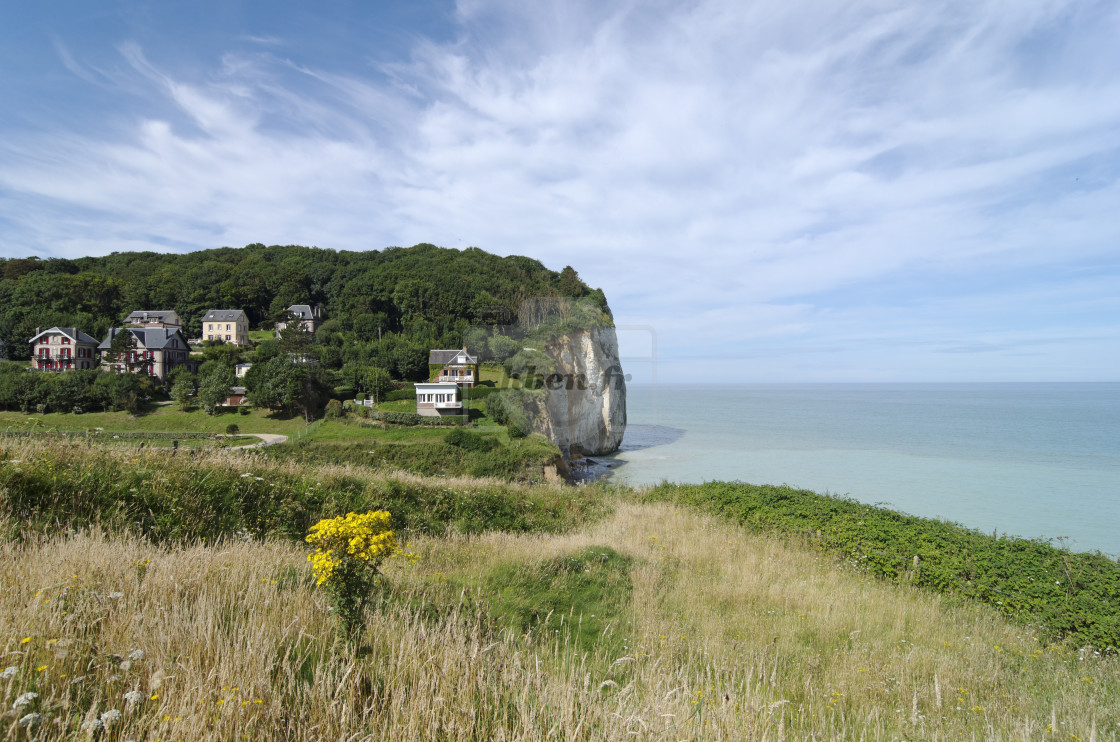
(580, 597)
(156, 418)
(1071, 597)
(494, 374)
(399, 405)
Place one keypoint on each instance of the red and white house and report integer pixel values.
(63, 349)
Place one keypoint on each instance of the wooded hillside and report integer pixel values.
(384, 307)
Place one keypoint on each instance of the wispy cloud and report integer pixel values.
(728, 172)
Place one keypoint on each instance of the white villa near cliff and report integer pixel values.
(434, 399)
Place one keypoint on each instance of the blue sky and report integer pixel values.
(784, 191)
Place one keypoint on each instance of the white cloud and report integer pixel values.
(740, 168)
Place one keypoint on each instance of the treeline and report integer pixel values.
(75, 391)
(384, 308)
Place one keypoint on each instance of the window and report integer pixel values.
(65, 340)
(209, 337)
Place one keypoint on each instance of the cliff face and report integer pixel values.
(585, 401)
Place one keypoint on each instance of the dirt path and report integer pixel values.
(267, 439)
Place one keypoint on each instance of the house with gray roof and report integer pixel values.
(227, 325)
(308, 318)
(153, 318)
(155, 351)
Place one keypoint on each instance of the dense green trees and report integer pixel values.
(73, 391)
(287, 385)
(385, 308)
(385, 311)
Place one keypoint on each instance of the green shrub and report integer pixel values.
(479, 393)
(469, 441)
(496, 409)
(232, 429)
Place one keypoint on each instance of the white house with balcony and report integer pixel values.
(434, 399)
(63, 349)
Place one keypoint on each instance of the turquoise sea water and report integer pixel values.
(1029, 460)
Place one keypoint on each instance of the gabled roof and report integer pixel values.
(223, 315)
(71, 332)
(159, 315)
(303, 311)
(148, 338)
(444, 357)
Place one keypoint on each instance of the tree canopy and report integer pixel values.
(384, 308)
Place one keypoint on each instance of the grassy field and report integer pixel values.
(150, 596)
(684, 627)
(156, 418)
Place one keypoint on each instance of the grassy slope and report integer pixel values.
(587, 614)
(764, 641)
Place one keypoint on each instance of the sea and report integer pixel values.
(1030, 460)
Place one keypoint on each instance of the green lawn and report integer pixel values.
(334, 431)
(163, 418)
(398, 405)
(494, 374)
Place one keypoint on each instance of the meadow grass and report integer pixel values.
(156, 418)
(212, 493)
(155, 596)
(723, 634)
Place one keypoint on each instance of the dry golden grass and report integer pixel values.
(729, 636)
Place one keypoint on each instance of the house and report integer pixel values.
(153, 318)
(455, 366)
(156, 351)
(308, 318)
(434, 399)
(236, 397)
(62, 349)
(228, 325)
(241, 369)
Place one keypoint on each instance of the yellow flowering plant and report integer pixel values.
(348, 552)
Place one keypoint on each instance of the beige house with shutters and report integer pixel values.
(227, 325)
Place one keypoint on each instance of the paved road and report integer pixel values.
(267, 439)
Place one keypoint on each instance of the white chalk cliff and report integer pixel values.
(585, 400)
